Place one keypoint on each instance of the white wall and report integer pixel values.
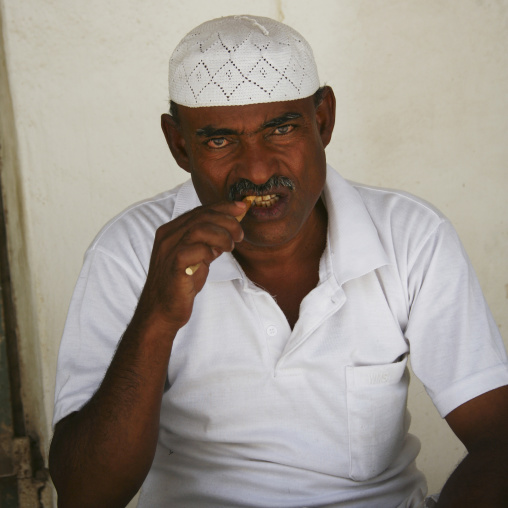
(422, 99)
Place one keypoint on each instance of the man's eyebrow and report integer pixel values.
(209, 131)
(275, 122)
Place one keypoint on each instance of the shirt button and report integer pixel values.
(271, 330)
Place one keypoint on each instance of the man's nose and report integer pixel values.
(256, 162)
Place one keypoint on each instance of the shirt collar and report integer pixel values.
(353, 246)
(186, 199)
(353, 241)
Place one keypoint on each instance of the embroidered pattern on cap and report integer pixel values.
(239, 60)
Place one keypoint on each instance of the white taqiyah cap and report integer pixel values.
(239, 60)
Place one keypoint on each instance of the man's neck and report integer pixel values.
(290, 271)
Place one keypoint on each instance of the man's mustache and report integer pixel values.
(244, 186)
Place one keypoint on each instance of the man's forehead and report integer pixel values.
(252, 114)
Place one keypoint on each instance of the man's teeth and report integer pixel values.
(265, 201)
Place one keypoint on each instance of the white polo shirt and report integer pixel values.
(259, 415)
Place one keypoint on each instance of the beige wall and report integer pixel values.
(421, 87)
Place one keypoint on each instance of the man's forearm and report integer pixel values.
(101, 454)
(480, 480)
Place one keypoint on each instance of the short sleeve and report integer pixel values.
(102, 305)
(455, 345)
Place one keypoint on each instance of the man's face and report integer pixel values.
(233, 151)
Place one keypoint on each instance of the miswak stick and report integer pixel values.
(248, 200)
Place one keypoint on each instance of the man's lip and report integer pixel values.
(265, 200)
(280, 192)
(275, 210)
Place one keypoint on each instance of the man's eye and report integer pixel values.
(217, 142)
(283, 129)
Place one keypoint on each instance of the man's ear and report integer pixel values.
(325, 115)
(175, 141)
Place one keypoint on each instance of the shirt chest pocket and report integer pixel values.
(377, 416)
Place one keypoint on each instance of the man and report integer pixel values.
(262, 363)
